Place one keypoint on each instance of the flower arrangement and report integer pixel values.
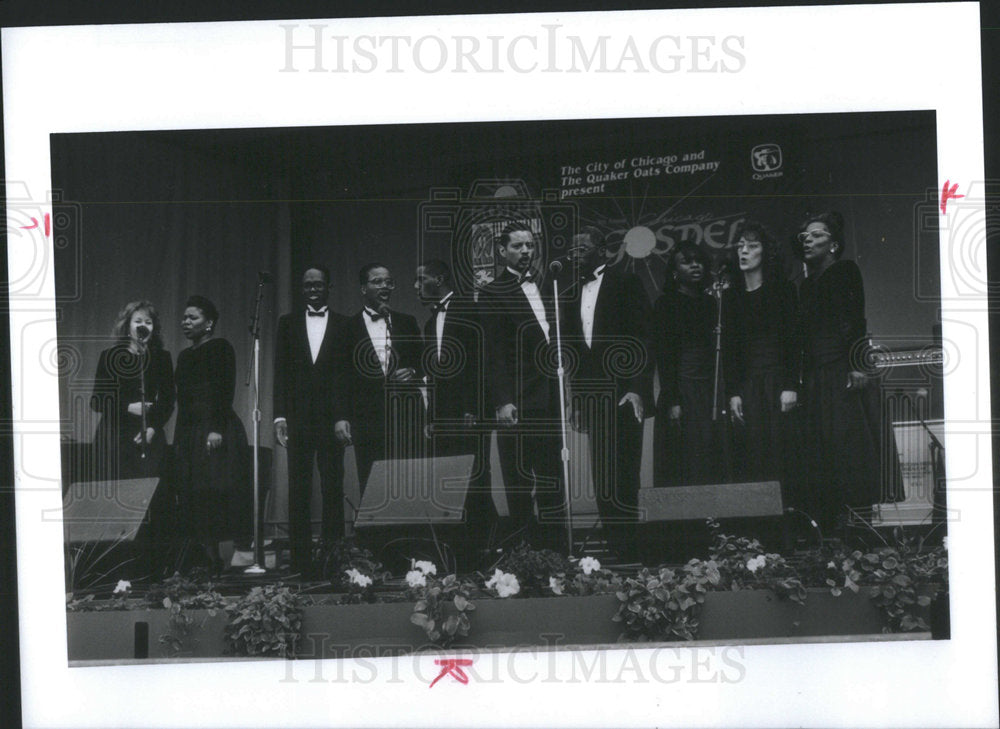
(534, 568)
(344, 560)
(266, 622)
(503, 583)
(443, 606)
(588, 578)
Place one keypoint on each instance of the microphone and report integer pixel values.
(557, 264)
(383, 309)
(142, 331)
(264, 277)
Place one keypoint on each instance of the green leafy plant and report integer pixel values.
(534, 568)
(901, 580)
(664, 604)
(587, 578)
(343, 556)
(442, 609)
(178, 594)
(266, 622)
(743, 564)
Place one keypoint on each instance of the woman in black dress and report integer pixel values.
(761, 358)
(135, 374)
(842, 401)
(212, 466)
(684, 320)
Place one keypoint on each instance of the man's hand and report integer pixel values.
(342, 431)
(674, 414)
(789, 399)
(636, 401)
(507, 414)
(469, 419)
(136, 408)
(403, 375)
(856, 380)
(281, 432)
(213, 442)
(736, 408)
(576, 418)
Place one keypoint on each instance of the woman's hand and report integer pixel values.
(789, 399)
(736, 408)
(675, 414)
(213, 442)
(150, 432)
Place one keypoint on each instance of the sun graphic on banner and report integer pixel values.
(641, 238)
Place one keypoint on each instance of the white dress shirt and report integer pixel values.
(530, 289)
(315, 330)
(378, 332)
(439, 320)
(588, 304)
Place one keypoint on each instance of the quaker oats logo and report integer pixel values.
(766, 161)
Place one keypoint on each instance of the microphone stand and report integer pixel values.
(257, 568)
(562, 417)
(721, 434)
(142, 399)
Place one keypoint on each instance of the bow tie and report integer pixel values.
(375, 316)
(588, 277)
(439, 307)
(316, 312)
(527, 278)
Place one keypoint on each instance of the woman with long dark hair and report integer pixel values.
(761, 358)
(850, 463)
(212, 460)
(133, 387)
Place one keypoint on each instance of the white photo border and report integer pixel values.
(228, 75)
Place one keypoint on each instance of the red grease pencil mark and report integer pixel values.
(34, 224)
(452, 666)
(948, 193)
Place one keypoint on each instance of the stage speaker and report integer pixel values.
(416, 491)
(106, 511)
(719, 501)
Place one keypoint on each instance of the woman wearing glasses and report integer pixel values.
(842, 401)
(761, 357)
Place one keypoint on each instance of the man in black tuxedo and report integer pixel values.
(304, 404)
(605, 323)
(381, 412)
(523, 388)
(453, 358)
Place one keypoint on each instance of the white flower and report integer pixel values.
(122, 586)
(416, 578)
(357, 578)
(427, 568)
(505, 584)
(556, 585)
(831, 565)
(755, 563)
(589, 564)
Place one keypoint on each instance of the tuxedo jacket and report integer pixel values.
(361, 378)
(520, 364)
(455, 380)
(303, 389)
(619, 351)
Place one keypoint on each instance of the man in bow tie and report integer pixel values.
(453, 343)
(524, 391)
(605, 317)
(380, 352)
(304, 403)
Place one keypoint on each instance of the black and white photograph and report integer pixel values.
(348, 400)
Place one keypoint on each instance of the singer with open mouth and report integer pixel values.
(379, 350)
(134, 394)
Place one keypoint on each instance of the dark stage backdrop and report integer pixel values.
(166, 214)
